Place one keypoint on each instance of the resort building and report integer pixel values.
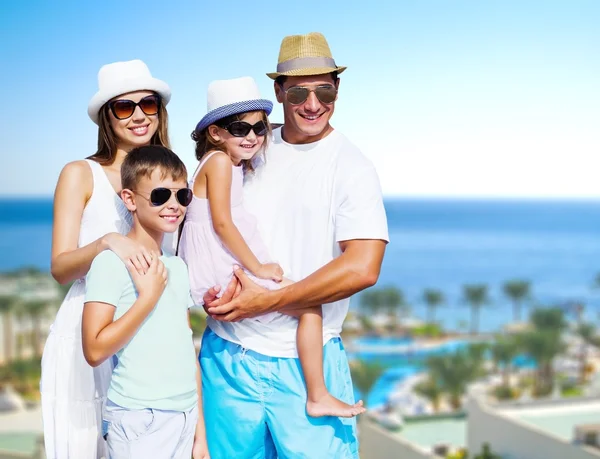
(537, 429)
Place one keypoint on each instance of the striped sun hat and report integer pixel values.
(303, 55)
(231, 97)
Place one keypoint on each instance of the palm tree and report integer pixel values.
(517, 291)
(587, 333)
(431, 391)
(371, 301)
(542, 346)
(544, 343)
(37, 310)
(433, 299)
(552, 319)
(7, 305)
(392, 300)
(453, 373)
(504, 350)
(476, 295)
(365, 375)
(21, 337)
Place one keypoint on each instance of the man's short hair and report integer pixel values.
(280, 80)
(143, 161)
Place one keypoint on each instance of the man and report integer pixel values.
(320, 210)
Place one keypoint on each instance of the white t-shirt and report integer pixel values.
(307, 198)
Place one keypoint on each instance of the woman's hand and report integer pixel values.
(129, 251)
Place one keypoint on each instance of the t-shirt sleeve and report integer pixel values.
(360, 212)
(106, 279)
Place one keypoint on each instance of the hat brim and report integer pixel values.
(234, 109)
(307, 72)
(124, 87)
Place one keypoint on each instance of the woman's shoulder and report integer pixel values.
(77, 173)
(80, 167)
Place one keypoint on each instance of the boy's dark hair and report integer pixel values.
(143, 161)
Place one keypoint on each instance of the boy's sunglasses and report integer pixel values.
(160, 196)
(242, 129)
(124, 108)
(297, 95)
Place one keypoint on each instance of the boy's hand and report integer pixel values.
(270, 271)
(151, 285)
(200, 449)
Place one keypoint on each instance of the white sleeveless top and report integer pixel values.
(105, 212)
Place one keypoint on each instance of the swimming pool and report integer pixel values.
(405, 357)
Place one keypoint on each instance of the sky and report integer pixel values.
(495, 98)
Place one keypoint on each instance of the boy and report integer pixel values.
(153, 405)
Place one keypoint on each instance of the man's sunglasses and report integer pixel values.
(242, 129)
(160, 196)
(124, 108)
(297, 95)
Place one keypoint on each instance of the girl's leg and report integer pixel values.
(309, 340)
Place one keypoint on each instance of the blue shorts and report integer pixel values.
(255, 405)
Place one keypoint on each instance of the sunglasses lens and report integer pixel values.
(260, 128)
(239, 128)
(149, 105)
(122, 109)
(297, 95)
(326, 94)
(184, 196)
(159, 196)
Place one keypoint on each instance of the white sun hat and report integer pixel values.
(230, 97)
(123, 77)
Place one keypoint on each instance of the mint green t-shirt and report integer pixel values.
(157, 368)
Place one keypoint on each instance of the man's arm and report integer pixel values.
(354, 270)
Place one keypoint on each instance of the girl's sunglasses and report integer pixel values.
(160, 196)
(297, 95)
(242, 129)
(124, 108)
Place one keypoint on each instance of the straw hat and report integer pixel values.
(123, 77)
(231, 97)
(302, 55)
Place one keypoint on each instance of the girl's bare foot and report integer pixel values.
(328, 405)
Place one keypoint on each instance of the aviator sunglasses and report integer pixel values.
(242, 129)
(297, 95)
(124, 108)
(160, 196)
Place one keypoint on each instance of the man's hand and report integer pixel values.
(211, 300)
(252, 301)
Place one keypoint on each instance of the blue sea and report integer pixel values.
(441, 244)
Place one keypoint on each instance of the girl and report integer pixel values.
(89, 217)
(218, 233)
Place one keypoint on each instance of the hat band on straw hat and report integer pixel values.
(305, 63)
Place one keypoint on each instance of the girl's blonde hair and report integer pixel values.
(205, 143)
(107, 140)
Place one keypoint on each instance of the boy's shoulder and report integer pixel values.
(175, 262)
(107, 260)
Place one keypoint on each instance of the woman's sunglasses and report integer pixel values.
(124, 108)
(297, 95)
(160, 196)
(242, 129)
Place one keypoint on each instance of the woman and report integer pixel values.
(89, 217)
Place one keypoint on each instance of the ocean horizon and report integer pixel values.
(441, 243)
